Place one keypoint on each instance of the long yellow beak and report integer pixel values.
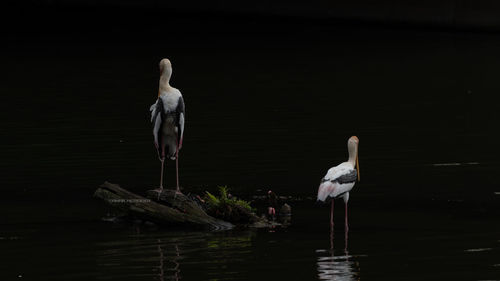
(357, 166)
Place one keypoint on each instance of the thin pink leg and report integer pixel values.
(331, 238)
(346, 221)
(346, 231)
(331, 228)
(161, 174)
(346, 242)
(177, 167)
(331, 215)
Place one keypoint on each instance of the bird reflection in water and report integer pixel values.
(331, 267)
(140, 256)
(161, 266)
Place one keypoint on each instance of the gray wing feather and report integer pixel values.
(348, 177)
(156, 119)
(180, 119)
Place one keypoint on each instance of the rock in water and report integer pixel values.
(285, 214)
(286, 210)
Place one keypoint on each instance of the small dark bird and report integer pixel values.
(273, 204)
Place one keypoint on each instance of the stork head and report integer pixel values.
(165, 68)
(353, 141)
(352, 146)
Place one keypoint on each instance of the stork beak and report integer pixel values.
(357, 167)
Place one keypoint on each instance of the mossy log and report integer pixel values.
(173, 208)
(238, 215)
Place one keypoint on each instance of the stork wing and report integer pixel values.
(180, 110)
(348, 177)
(341, 175)
(156, 119)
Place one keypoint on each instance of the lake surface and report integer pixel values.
(269, 105)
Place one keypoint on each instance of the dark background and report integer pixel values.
(450, 13)
(273, 91)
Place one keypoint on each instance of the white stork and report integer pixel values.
(167, 117)
(339, 180)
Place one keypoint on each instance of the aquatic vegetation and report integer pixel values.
(228, 207)
(225, 198)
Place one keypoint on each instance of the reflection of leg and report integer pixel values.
(176, 268)
(160, 274)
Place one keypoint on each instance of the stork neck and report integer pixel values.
(164, 84)
(353, 152)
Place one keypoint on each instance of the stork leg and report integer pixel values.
(161, 174)
(162, 160)
(331, 228)
(331, 215)
(160, 189)
(331, 239)
(346, 221)
(177, 167)
(346, 231)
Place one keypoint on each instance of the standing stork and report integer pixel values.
(167, 117)
(339, 180)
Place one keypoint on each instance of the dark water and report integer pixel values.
(270, 105)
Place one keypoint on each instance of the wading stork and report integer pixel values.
(340, 179)
(167, 118)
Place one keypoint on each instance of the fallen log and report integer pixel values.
(178, 210)
(238, 216)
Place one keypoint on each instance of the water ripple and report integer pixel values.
(345, 267)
